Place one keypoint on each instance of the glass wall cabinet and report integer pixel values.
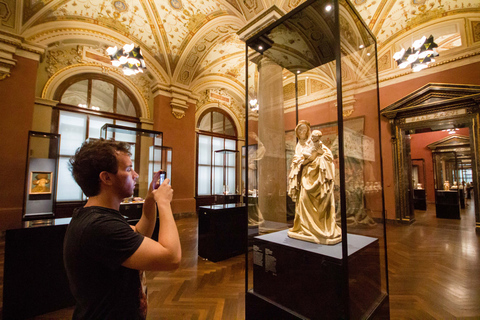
(329, 173)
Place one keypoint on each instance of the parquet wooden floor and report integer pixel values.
(434, 273)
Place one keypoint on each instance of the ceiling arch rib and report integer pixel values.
(202, 42)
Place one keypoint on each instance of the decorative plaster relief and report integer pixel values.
(201, 49)
(385, 62)
(476, 31)
(61, 58)
(316, 86)
(289, 90)
(7, 13)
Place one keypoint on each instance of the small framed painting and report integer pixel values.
(40, 182)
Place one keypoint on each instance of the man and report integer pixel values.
(102, 252)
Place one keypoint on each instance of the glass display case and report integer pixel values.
(419, 183)
(224, 161)
(41, 175)
(447, 196)
(148, 156)
(315, 81)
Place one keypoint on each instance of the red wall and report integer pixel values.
(180, 135)
(469, 74)
(418, 145)
(17, 99)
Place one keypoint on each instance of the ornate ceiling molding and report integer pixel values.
(14, 46)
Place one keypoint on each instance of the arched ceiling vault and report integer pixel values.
(186, 42)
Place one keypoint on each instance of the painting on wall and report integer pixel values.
(40, 182)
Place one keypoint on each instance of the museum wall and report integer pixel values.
(180, 135)
(17, 101)
(419, 150)
(467, 74)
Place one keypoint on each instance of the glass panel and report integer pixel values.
(217, 122)
(218, 144)
(95, 124)
(204, 149)
(229, 128)
(231, 180)
(312, 177)
(230, 157)
(126, 136)
(68, 189)
(206, 122)
(72, 128)
(102, 96)
(204, 180)
(218, 180)
(124, 104)
(76, 94)
(230, 144)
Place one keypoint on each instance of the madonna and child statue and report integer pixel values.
(311, 185)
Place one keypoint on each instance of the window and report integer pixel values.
(216, 156)
(86, 104)
(98, 93)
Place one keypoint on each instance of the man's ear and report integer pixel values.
(105, 178)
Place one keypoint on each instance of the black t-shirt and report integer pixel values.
(98, 240)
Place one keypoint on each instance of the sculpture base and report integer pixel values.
(326, 241)
(307, 278)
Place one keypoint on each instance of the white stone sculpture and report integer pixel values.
(311, 186)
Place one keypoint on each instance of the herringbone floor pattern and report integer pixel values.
(434, 273)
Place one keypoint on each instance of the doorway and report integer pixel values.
(432, 108)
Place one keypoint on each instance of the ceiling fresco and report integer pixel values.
(185, 41)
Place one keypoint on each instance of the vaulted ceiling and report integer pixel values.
(189, 43)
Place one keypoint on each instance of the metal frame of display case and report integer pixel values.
(295, 279)
(225, 153)
(46, 164)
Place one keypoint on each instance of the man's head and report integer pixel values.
(92, 158)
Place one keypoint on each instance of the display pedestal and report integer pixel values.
(222, 231)
(447, 204)
(305, 279)
(35, 281)
(420, 199)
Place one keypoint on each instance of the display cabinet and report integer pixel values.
(419, 182)
(313, 74)
(221, 230)
(41, 175)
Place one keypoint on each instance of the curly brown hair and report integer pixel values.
(93, 157)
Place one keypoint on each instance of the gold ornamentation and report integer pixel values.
(316, 85)
(476, 31)
(178, 115)
(347, 113)
(4, 75)
(385, 62)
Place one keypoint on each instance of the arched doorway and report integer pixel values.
(430, 108)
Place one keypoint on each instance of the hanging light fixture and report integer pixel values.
(253, 105)
(419, 56)
(129, 58)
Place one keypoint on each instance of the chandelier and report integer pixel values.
(129, 58)
(419, 56)
(253, 105)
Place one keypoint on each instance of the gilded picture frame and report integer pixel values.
(40, 182)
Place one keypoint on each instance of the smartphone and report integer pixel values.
(160, 176)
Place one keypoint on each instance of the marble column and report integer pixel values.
(271, 132)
